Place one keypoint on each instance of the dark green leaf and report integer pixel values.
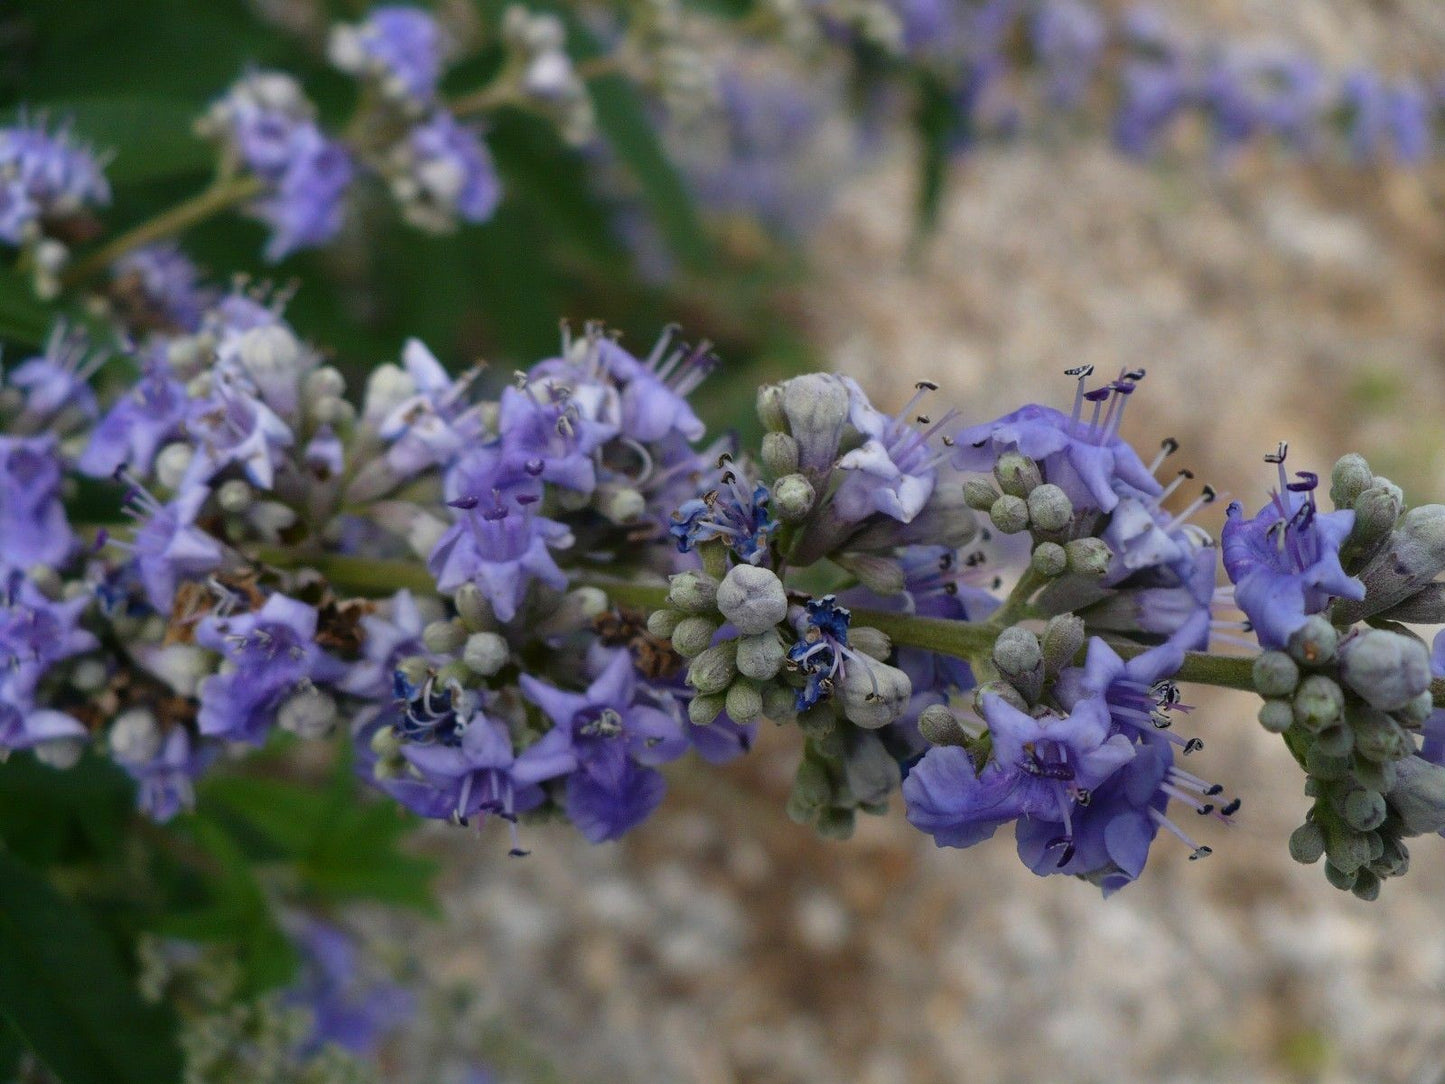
(63, 989)
(47, 815)
(11, 1048)
(23, 317)
(937, 120)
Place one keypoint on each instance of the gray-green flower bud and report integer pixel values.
(1050, 508)
(1089, 556)
(1001, 689)
(135, 737)
(770, 408)
(693, 592)
(1062, 639)
(836, 823)
(1418, 710)
(939, 726)
(662, 623)
(780, 703)
(1375, 775)
(752, 599)
(779, 454)
(1307, 843)
(871, 773)
(1341, 879)
(873, 694)
(485, 653)
(1366, 886)
(979, 495)
(619, 505)
(760, 657)
(309, 713)
(444, 637)
(1275, 674)
(1364, 810)
(1418, 796)
(1324, 767)
(793, 497)
(744, 702)
(874, 644)
(816, 406)
(702, 710)
(1314, 643)
(1020, 658)
(1376, 511)
(1276, 716)
(1049, 559)
(1348, 850)
(713, 670)
(812, 789)
(1017, 475)
(1336, 739)
(1411, 557)
(1387, 669)
(881, 575)
(692, 635)
(1318, 702)
(473, 608)
(1378, 737)
(1010, 514)
(385, 743)
(1425, 607)
(1350, 477)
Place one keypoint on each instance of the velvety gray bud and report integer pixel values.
(1307, 843)
(1276, 716)
(872, 642)
(836, 823)
(1425, 607)
(692, 635)
(235, 496)
(485, 653)
(575, 610)
(979, 495)
(1314, 643)
(473, 608)
(694, 592)
(1376, 511)
(1378, 737)
(1318, 702)
(309, 713)
(1063, 638)
(816, 407)
(752, 598)
(1413, 555)
(385, 743)
(793, 497)
(1089, 556)
(1049, 559)
(760, 657)
(780, 703)
(1366, 886)
(874, 694)
(624, 505)
(820, 724)
(1336, 739)
(1417, 710)
(1418, 796)
(881, 575)
(812, 789)
(744, 702)
(1375, 775)
(1348, 849)
(444, 637)
(662, 623)
(1010, 514)
(939, 726)
(1324, 767)
(1364, 810)
(62, 754)
(1020, 658)
(779, 454)
(714, 669)
(1386, 669)
(871, 772)
(702, 710)
(1017, 475)
(1341, 879)
(770, 408)
(1001, 689)
(1275, 674)
(1350, 477)
(1050, 508)
(135, 736)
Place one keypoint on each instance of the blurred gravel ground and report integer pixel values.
(723, 944)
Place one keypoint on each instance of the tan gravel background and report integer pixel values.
(721, 943)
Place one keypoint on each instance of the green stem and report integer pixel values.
(1016, 606)
(355, 575)
(182, 216)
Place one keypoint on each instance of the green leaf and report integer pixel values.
(64, 991)
(937, 119)
(23, 317)
(48, 815)
(10, 1050)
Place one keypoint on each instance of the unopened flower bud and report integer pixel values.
(624, 505)
(1418, 710)
(662, 623)
(872, 642)
(779, 455)
(770, 408)
(752, 599)
(135, 737)
(1089, 556)
(1366, 886)
(1350, 477)
(1062, 639)
(444, 637)
(713, 670)
(1017, 475)
(780, 703)
(171, 464)
(870, 771)
(812, 790)
(1376, 511)
(1387, 669)
(325, 383)
(271, 518)
(744, 702)
(485, 653)
(385, 743)
(1364, 810)
(1375, 775)
(873, 694)
(1425, 607)
(702, 710)
(1348, 849)
(1275, 674)
(309, 713)
(692, 635)
(1418, 796)
(1324, 767)
(1050, 508)
(1049, 559)
(979, 495)
(693, 592)
(1378, 737)
(793, 497)
(61, 754)
(1336, 740)
(1020, 658)
(939, 726)
(1009, 514)
(575, 611)
(387, 387)
(1314, 643)
(1412, 556)
(760, 657)
(1318, 702)
(881, 575)
(473, 608)
(816, 407)
(1307, 843)
(836, 822)
(1276, 716)
(1001, 689)
(1344, 880)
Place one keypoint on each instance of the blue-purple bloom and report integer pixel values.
(893, 472)
(1285, 562)
(402, 48)
(36, 632)
(59, 379)
(149, 413)
(169, 283)
(736, 512)
(1069, 38)
(166, 784)
(44, 176)
(168, 547)
(231, 426)
(32, 517)
(348, 1007)
(448, 174)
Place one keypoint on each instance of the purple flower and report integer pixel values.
(150, 412)
(168, 546)
(32, 517)
(1285, 562)
(167, 782)
(390, 637)
(1250, 91)
(274, 654)
(736, 512)
(59, 379)
(1069, 38)
(549, 432)
(169, 283)
(35, 634)
(435, 423)
(348, 1007)
(1087, 459)
(402, 48)
(44, 176)
(893, 472)
(231, 426)
(616, 740)
(655, 391)
(446, 173)
(1153, 93)
(1387, 121)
